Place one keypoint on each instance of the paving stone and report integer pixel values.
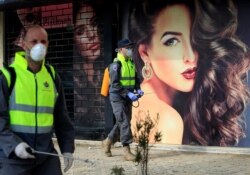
(161, 162)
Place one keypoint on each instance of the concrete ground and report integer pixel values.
(164, 160)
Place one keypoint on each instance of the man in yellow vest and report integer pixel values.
(124, 89)
(32, 111)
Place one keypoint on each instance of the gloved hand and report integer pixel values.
(68, 161)
(140, 92)
(21, 151)
(132, 96)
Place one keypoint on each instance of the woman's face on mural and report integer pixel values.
(170, 53)
(86, 33)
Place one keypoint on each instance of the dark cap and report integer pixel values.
(124, 43)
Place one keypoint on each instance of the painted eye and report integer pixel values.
(171, 42)
(80, 30)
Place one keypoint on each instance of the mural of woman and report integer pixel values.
(87, 39)
(88, 62)
(192, 68)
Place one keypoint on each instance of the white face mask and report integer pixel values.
(129, 52)
(38, 52)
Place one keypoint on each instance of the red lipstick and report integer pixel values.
(93, 46)
(189, 73)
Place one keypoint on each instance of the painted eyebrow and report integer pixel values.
(80, 26)
(171, 33)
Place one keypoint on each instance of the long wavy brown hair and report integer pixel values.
(213, 111)
(220, 94)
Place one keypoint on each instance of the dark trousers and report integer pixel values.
(49, 166)
(123, 112)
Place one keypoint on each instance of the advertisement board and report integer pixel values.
(192, 58)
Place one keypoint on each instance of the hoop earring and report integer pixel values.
(147, 71)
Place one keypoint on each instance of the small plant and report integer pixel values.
(144, 129)
(117, 171)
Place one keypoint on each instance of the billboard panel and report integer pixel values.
(193, 68)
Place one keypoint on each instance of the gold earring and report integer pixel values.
(147, 71)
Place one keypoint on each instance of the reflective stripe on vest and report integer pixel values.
(32, 100)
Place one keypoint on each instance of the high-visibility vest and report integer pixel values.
(32, 100)
(127, 72)
(127, 75)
